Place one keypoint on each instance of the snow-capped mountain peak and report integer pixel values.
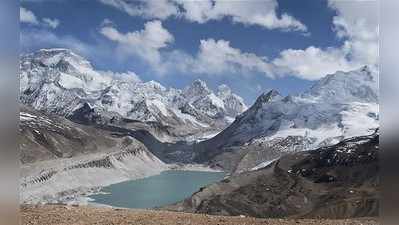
(267, 97)
(359, 85)
(233, 103)
(224, 90)
(338, 106)
(63, 68)
(62, 82)
(59, 56)
(197, 89)
(155, 85)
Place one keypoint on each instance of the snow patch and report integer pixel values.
(23, 116)
(216, 101)
(262, 165)
(159, 106)
(68, 81)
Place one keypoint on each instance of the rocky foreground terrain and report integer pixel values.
(339, 181)
(68, 215)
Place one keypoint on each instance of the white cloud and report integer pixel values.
(261, 13)
(128, 76)
(26, 16)
(107, 22)
(53, 23)
(145, 43)
(40, 38)
(150, 9)
(218, 57)
(214, 56)
(356, 23)
(313, 63)
(357, 30)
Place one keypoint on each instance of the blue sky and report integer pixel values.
(285, 44)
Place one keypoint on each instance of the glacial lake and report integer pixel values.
(167, 188)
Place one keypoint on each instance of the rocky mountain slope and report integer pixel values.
(62, 82)
(339, 181)
(62, 160)
(338, 106)
(45, 137)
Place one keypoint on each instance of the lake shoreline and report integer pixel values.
(80, 195)
(157, 191)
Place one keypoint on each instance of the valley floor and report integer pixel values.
(71, 215)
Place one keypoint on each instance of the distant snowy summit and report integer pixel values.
(62, 82)
(338, 106)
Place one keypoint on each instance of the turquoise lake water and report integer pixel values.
(167, 188)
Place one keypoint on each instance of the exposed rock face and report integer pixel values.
(339, 181)
(62, 82)
(339, 106)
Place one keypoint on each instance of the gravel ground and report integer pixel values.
(70, 215)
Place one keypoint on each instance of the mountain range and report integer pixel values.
(95, 125)
(62, 82)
